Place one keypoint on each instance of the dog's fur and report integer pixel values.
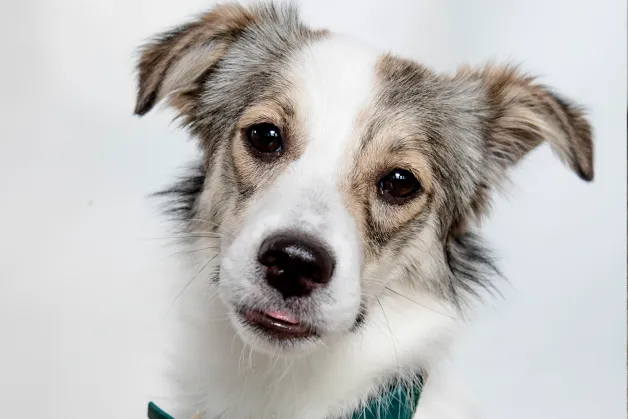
(405, 274)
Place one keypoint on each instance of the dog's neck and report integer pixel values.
(222, 377)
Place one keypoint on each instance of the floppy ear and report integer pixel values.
(174, 62)
(523, 114)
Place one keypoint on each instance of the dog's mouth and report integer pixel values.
(278, 324)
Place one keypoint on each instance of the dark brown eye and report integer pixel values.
(265, 138)
(398, 186)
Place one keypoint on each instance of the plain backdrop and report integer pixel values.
(83, 286)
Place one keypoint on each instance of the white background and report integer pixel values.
(83, 293)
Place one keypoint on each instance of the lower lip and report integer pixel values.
(276, 328)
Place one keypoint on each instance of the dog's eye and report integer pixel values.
(398, 186)
(265, 138)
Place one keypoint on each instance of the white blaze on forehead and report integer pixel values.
(334, 81)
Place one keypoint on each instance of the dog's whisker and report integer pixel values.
(187, 252)
(191, 280)
(190, 236)
(392, 336)
(240, 359)
(250, 357)
(416, 302)
(201, 232)
(379, 281)
(218, 319)
(212, 293)
(214, 224)
(233, 340)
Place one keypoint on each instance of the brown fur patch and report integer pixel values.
(392, 147)
(525, 114)
(158, 58)
(254, 171)
(522, 114)
(387, 139)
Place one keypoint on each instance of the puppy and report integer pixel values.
(332, 210)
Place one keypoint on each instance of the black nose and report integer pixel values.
(295, 265)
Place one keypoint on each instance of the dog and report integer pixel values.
(333, 210)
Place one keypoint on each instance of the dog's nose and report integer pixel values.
(295, 265)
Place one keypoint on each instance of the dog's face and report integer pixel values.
(332, 173)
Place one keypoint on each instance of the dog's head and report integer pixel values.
(332, 173)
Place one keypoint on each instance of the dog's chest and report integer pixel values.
(228, 380)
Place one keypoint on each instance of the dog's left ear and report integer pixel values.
(522, 114)
(172, 64)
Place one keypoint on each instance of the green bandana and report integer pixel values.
(399, 402)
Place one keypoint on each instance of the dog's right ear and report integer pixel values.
(174, 62)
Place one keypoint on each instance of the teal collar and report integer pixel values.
(154, 412)
(399, 402)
